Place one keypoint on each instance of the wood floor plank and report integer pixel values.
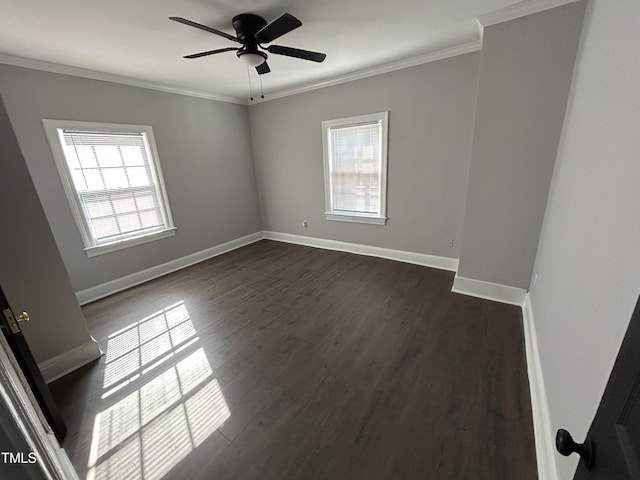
(277, 361)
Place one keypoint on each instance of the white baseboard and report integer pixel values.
(489, 291)
(109, 288)
(545, 452)
(443, 263)
(69, 361)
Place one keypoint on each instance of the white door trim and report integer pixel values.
(14, 391)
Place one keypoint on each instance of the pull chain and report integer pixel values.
(250, 89)
(261, 91)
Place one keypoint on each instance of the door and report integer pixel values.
(11, 329)
(615, 431)
(23, 430)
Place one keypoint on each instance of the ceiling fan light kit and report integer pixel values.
(252, 32)
(252, 59)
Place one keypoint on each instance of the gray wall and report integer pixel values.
(588, 262)
(525, 74)
(430, 130)
(32, 274)
(203, 148)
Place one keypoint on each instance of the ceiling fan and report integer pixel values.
(252, 32)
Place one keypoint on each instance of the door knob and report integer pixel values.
(566, 446)
(23, 317)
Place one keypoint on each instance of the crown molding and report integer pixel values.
(349, 77)
(110, 77)
(512, 12)
(480, 30)
(377, 70)
(518, 10)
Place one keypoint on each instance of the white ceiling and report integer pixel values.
(134, 38)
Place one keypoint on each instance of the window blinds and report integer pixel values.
(116, 183)
(356, 168)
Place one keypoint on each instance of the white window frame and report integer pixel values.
(330, 213)
(54, 129)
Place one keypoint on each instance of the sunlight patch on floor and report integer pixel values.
(142, 343)
(149, 431)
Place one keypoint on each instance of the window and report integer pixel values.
(113, 181)
(355, 168)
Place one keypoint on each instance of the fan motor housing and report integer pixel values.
(247, 25)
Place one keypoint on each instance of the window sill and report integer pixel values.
(132, 242)
(356, 218)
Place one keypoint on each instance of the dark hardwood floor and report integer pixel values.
(278, 361)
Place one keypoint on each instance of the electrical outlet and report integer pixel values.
(450, 242)
(305, 224)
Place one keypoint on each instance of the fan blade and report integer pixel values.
(210, 52)
(281, 25)
(297, 53)
(203, 27)
(263, 68)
